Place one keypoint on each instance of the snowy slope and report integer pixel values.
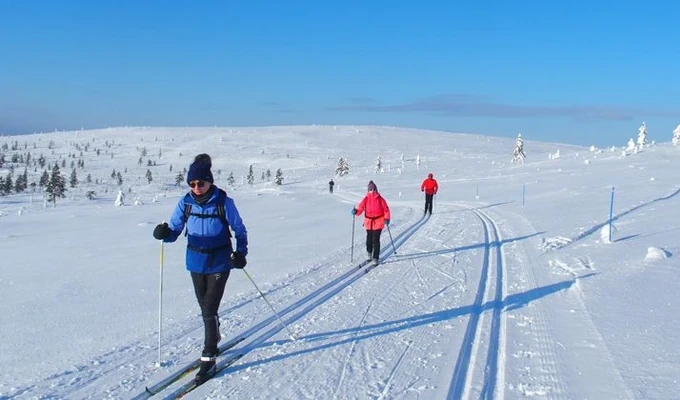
(495, 295)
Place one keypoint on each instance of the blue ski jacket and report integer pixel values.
(209, 244)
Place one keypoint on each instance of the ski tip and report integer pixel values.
(146, 388)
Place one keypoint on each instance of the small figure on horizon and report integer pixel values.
(330, 186)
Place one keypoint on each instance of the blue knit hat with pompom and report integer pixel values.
(199, 170)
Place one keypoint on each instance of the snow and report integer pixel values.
(485, 298)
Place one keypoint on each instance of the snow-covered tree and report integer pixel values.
(676, 136)
(278, 179)
(642, 135)
(149, 176)
(120, 199)
(631, 145)
(343, 167)
(378, 165)
(44, 179)
(56, 187)
(73, 180)
(179, 178)
(230, 179)
(91, 195)
(251, 175)
(518, 155)
(8, 185)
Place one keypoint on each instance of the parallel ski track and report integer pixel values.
(494, 368)
(296, 310)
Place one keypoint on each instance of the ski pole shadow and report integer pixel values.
(623, 239)
(357, 334)
(413, 256)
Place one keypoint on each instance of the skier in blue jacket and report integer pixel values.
(208, 213)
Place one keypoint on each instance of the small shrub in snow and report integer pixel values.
(656, 253)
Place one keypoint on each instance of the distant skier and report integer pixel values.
(376, 217)
(430, 188)
(330, 186)
(207, 213)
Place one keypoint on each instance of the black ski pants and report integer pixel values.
(373, 242)
(428, 202)
(209, 289)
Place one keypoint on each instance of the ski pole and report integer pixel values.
(160, 307)
(292, 337)
(390, 232)
(351, 256)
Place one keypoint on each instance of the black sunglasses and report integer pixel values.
(197, 183)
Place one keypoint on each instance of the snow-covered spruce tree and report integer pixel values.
(8, 185)
(44, 179)
(91, 195)
(251, 175)
(518, 155)
(120, 199)
(268, 175)
(378, 165)
(343, 167)
(149, 176)
(676, 136)
(179, 178)
(73, 179)
(56, 187)
(278, 179)
(642, 135)
(20, 184)
(230, 179)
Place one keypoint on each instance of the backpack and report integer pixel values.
(221, 214)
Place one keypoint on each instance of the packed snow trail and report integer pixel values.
(298, 310)
(490, 295)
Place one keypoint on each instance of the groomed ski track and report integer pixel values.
(476, 368)
(446, 274)
(258, 336)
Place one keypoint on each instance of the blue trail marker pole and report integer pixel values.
(611, 214)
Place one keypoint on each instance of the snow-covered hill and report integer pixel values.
(510, 289)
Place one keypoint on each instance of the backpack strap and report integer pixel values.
(220, 208)
(221, 211)
(187, 212)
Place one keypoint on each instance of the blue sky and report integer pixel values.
(584, 72)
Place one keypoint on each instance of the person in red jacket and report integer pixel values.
(376, 217)
(430, 188)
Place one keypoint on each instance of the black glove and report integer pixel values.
(162, 231)
(238, 260)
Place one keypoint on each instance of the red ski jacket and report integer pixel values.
(376, 210)
(429, 186)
